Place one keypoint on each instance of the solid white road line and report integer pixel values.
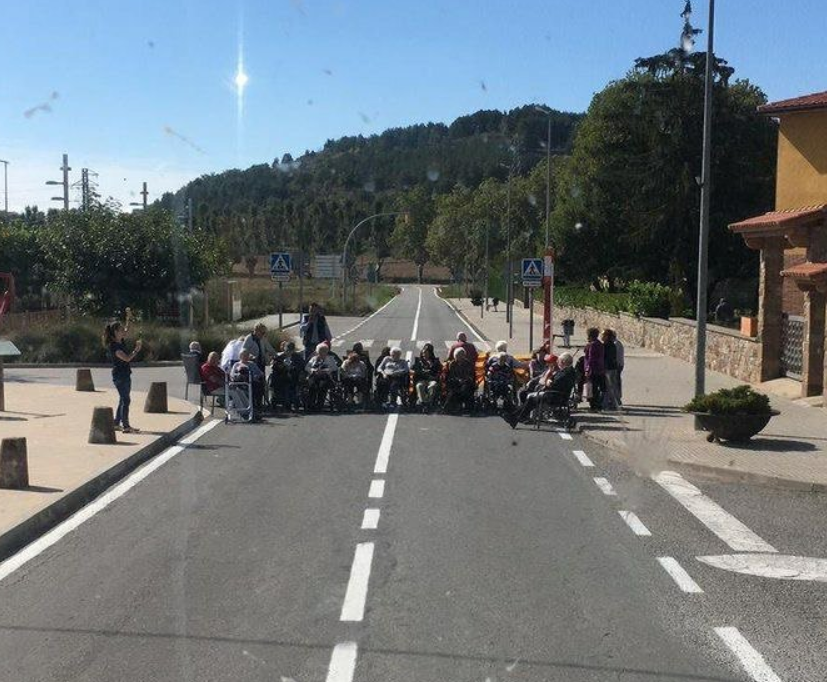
(60, 531)
(416, 317)
(679, 575)
(604, 485)
(565, 436)
(483, 343)
(583, 458)
(712, 515)
(753, 662)
(353, 608)
(370, 520)
(369, 317)
(381, 466)
(377, 488)
(634, 523)
(342, 662)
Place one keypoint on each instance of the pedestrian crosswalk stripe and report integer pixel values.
(367, 343)
(394, 342)
(421, 344)
(448, 344)
(338, 344)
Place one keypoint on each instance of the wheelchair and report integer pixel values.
(555, 408)
(499, 393)
(333, 396)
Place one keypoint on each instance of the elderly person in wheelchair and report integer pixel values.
(322, 374)
(500, 380)
(553, 389)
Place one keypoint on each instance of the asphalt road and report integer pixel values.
(495, 556)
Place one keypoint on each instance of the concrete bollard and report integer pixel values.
(102, 431)
(83, 381)
(156, 398)
(14, 463)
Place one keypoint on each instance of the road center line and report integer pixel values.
(416, 318)
(583, 458)
(370, 520)
(353, 608)
(342, 662)
(381, 466)
(634, 523)
(377, 488)
(679, 575)
(753, 662)
(604, 485)
(712, 515)
(60, 531)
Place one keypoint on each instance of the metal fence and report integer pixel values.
(792, 346)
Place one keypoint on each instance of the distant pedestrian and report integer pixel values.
(315, 330)
(114, 336)
(724, 312)
(495, 302)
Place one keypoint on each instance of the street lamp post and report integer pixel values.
(6, 187)
(547, 112)
(142, 203)
(65, 198)
(347, 241)
(706, 189)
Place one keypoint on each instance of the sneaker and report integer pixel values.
(130, 429)
(118, 427)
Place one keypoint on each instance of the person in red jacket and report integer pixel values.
(211, 373)
(470, 349)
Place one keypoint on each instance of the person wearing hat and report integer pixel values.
(559, 382)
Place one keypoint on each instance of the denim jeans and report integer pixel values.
(124, 386)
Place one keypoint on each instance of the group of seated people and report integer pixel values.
(391, 381)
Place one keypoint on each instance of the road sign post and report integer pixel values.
(532, 269)
(281, 263)
(548, 303)
(531, 320)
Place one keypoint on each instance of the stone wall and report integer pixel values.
(727, 351)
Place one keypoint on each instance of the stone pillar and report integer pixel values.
(14, 463)
(769, 307)
(156, 398)
(102, 431)
(83, 381)
(812, 375)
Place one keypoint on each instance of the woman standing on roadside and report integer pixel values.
(113, 341)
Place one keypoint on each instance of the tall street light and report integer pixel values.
(6, 186)
(144, 193)
(65, 198)
(547, 112)
(706, 189)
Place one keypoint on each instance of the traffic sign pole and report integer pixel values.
(531, 320)
(281, 306)
(548, 303)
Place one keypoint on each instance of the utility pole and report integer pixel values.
(65, 198)
(509, 288)
(706, 189)
(6, 187)
(144, 194)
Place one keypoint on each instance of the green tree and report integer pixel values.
(409, 236)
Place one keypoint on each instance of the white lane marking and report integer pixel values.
(377, 488)
(565, 436)
(448, 344)
(409, 356)
(483, 343)
(778, 566)
(416, 317)
(338, 344)
(367, 343)
(752, 661)
(370, 520)
(353, 608)
(381, 466)
(679, 575)
(421, 344)
(604, 485)
(373, 314)
(342, 662)
(712, 515)
(60, 531)
(583, 458)
(394, 342)
(634, 523)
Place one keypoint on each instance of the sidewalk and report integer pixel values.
(64, 470)
(655, 434)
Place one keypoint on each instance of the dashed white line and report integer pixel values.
(60, 531)
(370, 520)
(565, 436)
(381, 466)
(377, 488)
(752, 661)
(712, 515)
(353, 608)
(679, 575)
(416, 317)
(583, 458)
(604, 485)
(634, 523)
(342, 662)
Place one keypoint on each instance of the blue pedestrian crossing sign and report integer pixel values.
(280, 263)
(532, 272)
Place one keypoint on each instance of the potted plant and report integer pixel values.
(735, 414)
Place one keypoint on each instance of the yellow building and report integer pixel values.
(793, 244)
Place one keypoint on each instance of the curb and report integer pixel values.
(90, 365)
(32, 528)
(724, 474)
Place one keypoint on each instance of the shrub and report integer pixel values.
(576, 297)
(649, 299)
(739, 400)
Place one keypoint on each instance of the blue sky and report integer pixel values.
(124, 72)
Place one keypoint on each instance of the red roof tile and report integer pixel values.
(805, 271)
(776, 219)
(817, 100)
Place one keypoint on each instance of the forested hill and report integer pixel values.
(311, 201)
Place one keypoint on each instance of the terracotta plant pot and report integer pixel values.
(738, 428)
